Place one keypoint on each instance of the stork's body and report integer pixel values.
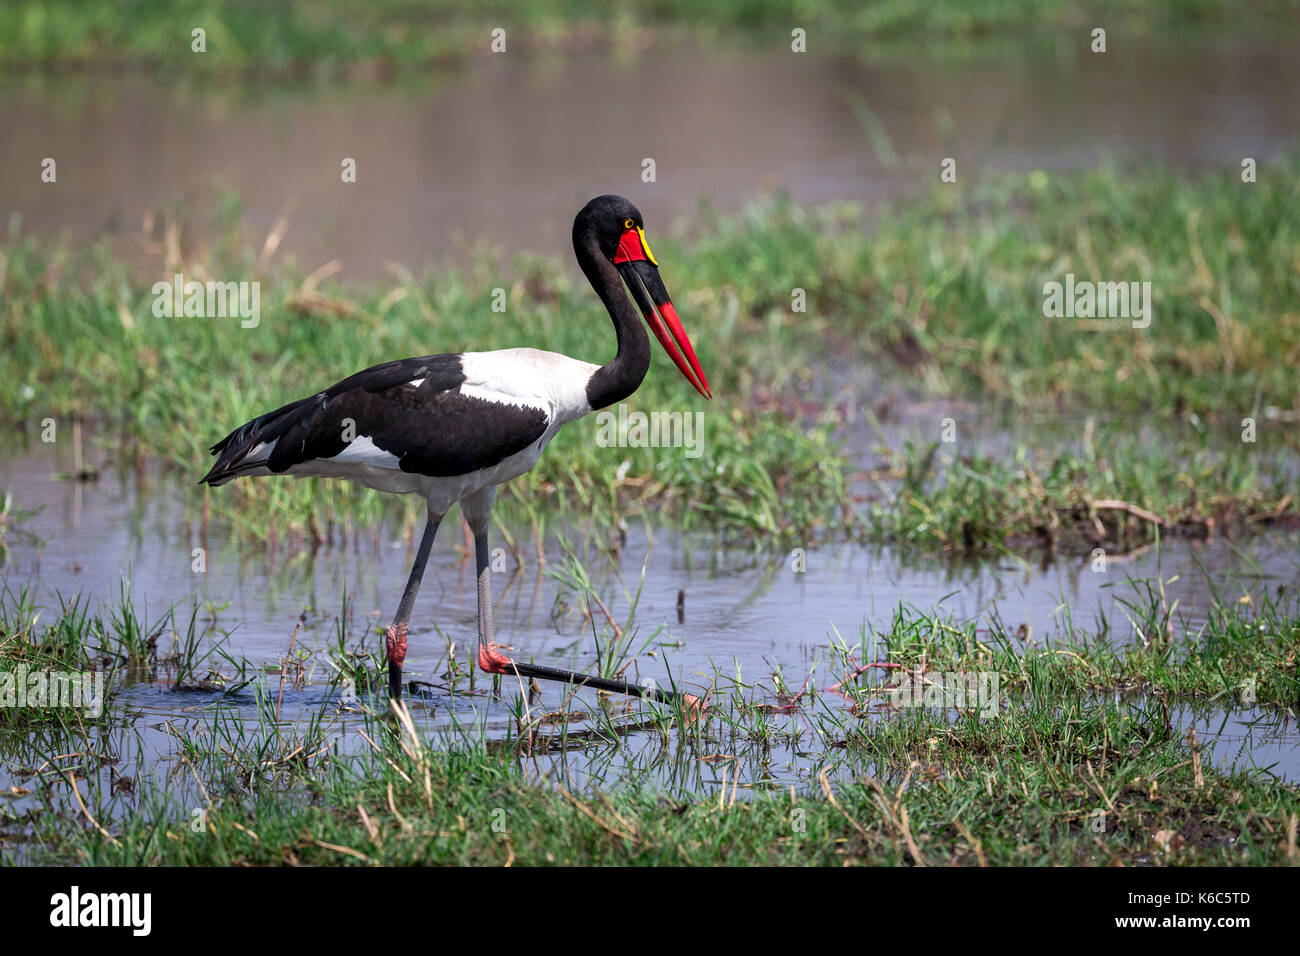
(441, 426)
(450, 428)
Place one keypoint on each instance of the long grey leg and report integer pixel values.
(485, 631)
(395, 638)
(478, 511)
(489, 658)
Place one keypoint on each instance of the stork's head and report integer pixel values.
(619, 231)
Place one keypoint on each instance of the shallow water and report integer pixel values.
(747, 614)
(739, 604)
(506, 149)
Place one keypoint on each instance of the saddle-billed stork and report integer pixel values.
(452, 427)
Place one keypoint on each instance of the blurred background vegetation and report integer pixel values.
(381, 37)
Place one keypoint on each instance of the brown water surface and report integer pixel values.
(509, 147)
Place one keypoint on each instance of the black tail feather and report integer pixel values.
(232, 449)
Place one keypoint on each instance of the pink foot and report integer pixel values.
(693, 708)
(395, 644)
(492, 661)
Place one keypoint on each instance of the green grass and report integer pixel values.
(1114, 793)
(1245, 653)
(1067, 772)
(121, 641)
(379, 39)
(950, 286)
(930, 498)
(942, 294)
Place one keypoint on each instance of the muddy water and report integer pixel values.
(746, 615)
(507, 148)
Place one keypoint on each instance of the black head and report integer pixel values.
(612, 227)
(605, 219)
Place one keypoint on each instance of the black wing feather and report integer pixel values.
(432, 429)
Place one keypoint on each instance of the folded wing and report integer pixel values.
(409, 415)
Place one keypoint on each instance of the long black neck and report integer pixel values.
(620, 378)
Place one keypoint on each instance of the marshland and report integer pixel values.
(962, 581)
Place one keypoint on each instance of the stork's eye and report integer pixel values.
(628, 224)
